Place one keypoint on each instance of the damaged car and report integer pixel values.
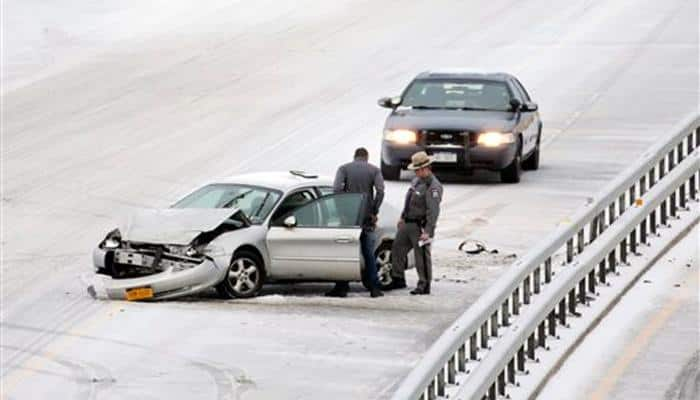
(239, 233)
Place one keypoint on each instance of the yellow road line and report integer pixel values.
(641, 341)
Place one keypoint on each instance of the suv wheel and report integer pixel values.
(390, 173)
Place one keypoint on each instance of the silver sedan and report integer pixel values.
(238, 233)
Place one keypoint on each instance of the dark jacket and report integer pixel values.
(359, 176)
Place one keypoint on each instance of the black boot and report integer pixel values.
(396, 283)
(339, 290)
(374, 292)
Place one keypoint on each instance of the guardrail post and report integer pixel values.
(494, 324)
(484, 335)
(451, 371)
(562, 312)
(569, 250)
(672, 201)
(593, 230)
(537, 279)
(492, 391)
(552, 323)
(541, 335)
(591, 280)
(602, 272)
(623, 251)
(441, 382)
(572, 301)
(516, 301)
(548, 270)
(582, 291)
(691, 188)
(612, 262)
(461, 358)
(531, 346)
(580, 241)
(505, 313)
(502, 383)
(511, 371)
(681, 196)
(521, 358)
(472, 347)
(526, 290)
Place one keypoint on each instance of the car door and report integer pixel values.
(323, 243)
(529, 121)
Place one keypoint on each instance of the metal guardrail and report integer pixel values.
(459, 345)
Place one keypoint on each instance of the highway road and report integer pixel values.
(110, 107)
(647, 346)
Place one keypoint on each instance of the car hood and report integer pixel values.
(172, 225)
(471, 121)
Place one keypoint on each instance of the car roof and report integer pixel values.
(280, 180)
(464, 73)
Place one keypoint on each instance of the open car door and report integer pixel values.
(319, 240)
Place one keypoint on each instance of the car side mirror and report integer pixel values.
(515, 104)
(389, 102)
(290, 221)
(530, 106)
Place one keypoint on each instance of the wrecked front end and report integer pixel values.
(158, 260)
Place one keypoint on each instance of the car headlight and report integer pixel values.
(191, 252)
(401, 136)
(113, 240)
(495, 139)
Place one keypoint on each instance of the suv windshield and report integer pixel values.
(458, 94)
(255, 202)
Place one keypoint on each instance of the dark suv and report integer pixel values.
(466, 121)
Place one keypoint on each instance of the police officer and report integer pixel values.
(359, 176)
(417, 225)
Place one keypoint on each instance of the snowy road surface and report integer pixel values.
(647, 346)
(106, 108)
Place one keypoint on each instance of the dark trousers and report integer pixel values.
(406, 240)
(367, 241)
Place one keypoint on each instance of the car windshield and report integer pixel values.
(457, 94)
(255, 202)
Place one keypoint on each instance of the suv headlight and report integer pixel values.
(400, 136)
(495, 139)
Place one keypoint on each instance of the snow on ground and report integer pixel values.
(108, 107)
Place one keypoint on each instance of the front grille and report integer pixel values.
(445, 137)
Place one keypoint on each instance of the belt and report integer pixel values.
(418, 221)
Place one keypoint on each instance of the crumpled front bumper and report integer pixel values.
(166, 284)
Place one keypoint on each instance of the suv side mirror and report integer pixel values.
(389, 102)
(515, 104)
(530, 106)
(290, 221)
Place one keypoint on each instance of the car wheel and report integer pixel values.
(390, 173)
(511, 173)
(383, 258)
(532, 163)
(244, 277)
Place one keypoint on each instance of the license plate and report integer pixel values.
(445, 157)
(139, 293)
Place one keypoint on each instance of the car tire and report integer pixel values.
(244, 277)
(511, 173)
(532, 163)
(383, 258)
(390, 173)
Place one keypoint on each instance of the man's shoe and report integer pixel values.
(396, 283)
(418, 291)
(337, 293)
(376, 293)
